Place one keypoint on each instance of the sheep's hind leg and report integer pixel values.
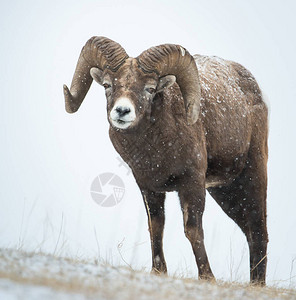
(154, 204)
(192, 204)
(244, 201)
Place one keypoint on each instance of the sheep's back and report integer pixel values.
(228, 93)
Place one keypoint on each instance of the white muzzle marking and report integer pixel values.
(123, 113)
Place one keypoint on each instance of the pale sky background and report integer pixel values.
(50, 158)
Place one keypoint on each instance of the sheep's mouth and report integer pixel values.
(120, 123)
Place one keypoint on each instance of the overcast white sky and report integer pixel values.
(49, 158)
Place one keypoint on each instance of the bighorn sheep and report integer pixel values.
(185, 124)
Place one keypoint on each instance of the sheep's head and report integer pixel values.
(129, 92)
(131, 83)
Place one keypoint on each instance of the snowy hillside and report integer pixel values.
(39, 276)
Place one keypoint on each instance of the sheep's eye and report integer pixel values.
(106, 85)
(150, 90)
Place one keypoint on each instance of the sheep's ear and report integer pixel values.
(165, 82)
(97, 75)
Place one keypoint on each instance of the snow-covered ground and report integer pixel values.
(39, 276)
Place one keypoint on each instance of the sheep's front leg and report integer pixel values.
(154, 204)
(192, 204)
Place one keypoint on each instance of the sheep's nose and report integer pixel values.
(122, 111)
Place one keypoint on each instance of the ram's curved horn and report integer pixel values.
(171, 59)
(98, 52)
